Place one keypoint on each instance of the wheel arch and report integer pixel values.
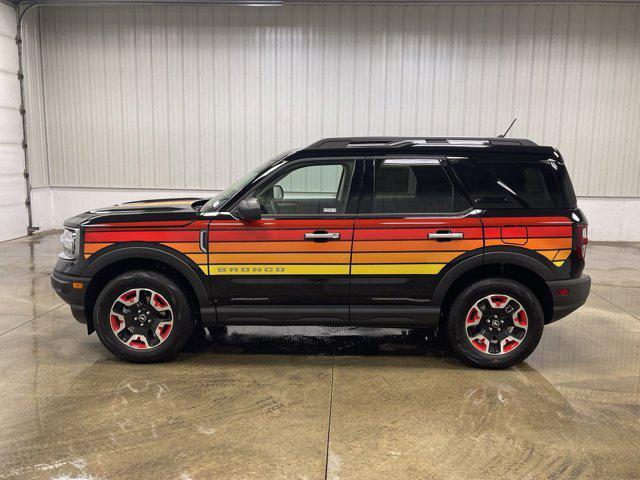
(521, 268)
(107, 266)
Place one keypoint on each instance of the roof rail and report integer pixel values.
(398, 142)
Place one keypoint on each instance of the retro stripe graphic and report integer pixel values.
(551, 237)
(374, 247)
(271, 247)
(181, 236)
(401, 246)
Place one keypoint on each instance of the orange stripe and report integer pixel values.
(534, 243)
(198, 257)
(549, 254)
(279, 258)
(563, 255)
(412, 257)
(415, 245)
(94, 247)
(304, 246)
(184, 247)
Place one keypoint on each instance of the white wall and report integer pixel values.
(13, 213)
(192, 97)
(610, 219)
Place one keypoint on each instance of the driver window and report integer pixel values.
(317, 189)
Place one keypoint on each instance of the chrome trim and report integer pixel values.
(446, 236)
(322, 236)
(217, 214)
(411, 161)
(203, 240)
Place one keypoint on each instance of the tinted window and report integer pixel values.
(534, 184)
(412, 186)
(316, 189)
(514, 183)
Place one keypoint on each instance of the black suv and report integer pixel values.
(478, 237)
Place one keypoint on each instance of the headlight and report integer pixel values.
(69, 240)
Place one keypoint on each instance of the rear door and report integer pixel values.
(291, 266)
(414, 224)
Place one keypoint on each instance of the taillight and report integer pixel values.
(582, 241)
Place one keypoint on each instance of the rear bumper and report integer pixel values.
(68, 288)
(578, 291)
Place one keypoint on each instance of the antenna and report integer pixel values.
(505, 133)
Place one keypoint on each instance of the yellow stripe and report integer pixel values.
(275, 269)
(559, 264)
(398, 269)
(389, 269)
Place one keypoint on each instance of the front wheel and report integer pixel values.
(495, 323)
(143, 316)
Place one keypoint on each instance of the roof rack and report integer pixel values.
(398, 142)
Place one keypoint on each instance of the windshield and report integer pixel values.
(219, 199)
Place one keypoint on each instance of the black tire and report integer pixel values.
(182, 326)
(461, 308)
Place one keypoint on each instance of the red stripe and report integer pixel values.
(154, 224)
(269, 235)
(142, 236)
(532, 232)
(409, 222)
(320, 223)
(412, 233)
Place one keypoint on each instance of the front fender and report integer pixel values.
(158, 253)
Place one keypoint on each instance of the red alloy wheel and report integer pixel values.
(496, 324)
(141, 318)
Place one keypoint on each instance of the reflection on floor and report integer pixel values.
(317, 402)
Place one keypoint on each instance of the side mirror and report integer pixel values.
(278, 192)
(249, 210)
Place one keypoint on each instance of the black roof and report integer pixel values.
(398, 142)
(457, 146)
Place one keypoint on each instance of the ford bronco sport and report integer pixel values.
(480, 238)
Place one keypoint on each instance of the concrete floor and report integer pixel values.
(314, 403)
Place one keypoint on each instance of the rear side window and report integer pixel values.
(534, 184)
(413, 186)
(513, 184)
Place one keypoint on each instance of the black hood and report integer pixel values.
(141, 211)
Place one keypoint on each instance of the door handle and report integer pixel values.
(322, 236)
(443, 236)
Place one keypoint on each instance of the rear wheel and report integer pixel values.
(143, 316)
(495, 323)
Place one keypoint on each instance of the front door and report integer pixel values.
(414, 223)
(292, 265)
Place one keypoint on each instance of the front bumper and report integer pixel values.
(71, 288)
(578, 291)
